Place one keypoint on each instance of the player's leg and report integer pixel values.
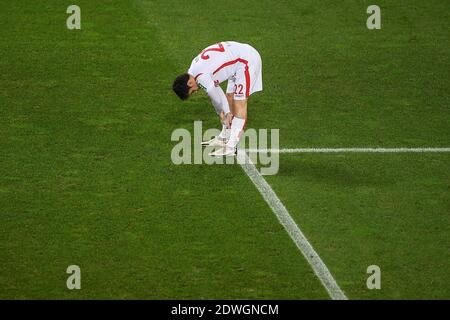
(248, 82)
(230, 96)
(225, 133)
(240, 89)
(238, 123)
(240, 108)
(222, 138)
(237, 128)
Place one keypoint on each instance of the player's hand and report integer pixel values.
(222, 117)
(228, 119)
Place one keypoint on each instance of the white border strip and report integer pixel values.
(319, 267)
(349, 150)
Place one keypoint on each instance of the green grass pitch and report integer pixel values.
(86, 176)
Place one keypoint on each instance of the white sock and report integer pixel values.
(237, 126)
(225, 133)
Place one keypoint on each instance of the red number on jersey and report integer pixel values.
(240, 87)
(219, 49)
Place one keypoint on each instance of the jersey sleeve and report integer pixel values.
(215, 93)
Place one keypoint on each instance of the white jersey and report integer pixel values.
(233, 61)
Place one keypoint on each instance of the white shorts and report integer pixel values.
(248, 76)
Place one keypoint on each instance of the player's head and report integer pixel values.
(184, 85)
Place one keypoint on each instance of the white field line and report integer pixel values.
(350, 150)
(318, 266)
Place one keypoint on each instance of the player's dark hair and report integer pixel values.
(180, 86)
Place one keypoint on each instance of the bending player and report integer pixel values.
(240, 65)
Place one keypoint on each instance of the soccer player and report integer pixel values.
(240, 65)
